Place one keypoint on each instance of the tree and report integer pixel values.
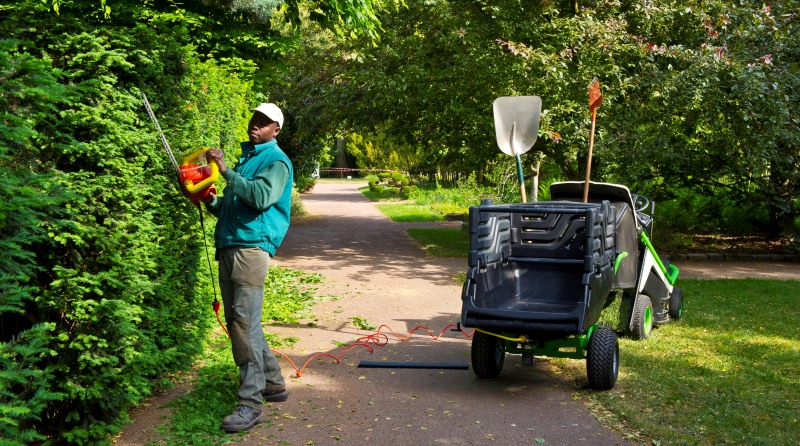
(432, 81)
(713, 109)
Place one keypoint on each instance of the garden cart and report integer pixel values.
(541, 273)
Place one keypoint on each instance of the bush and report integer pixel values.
(710, 212)
(409, 191)
(394, 182)
(297, 209)
(26, 387)
(101, 247)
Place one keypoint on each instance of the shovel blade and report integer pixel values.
(516, 123)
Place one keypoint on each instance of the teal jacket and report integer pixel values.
(258, 195)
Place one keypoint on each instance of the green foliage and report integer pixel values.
(362, 323)
(104, 247)
(431, 203)
(297, 209)
(713, 213)
(307, 155)
(458, 199)
(101, 248)
(26, 388)
(28, 200)
(711, 111)
(196, 415)
(696, 96)
(409, 212)
(393, 183)
(379, 151)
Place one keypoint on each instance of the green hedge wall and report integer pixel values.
(104, 285)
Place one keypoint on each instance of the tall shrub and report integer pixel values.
(103, 248)
(30, 91)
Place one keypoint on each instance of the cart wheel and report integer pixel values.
(488, 354)
(602, 359)
(676, 303)
(642, 317)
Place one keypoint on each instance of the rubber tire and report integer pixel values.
(642, 318)
(676, 304)
(488, 355)
(602, 359)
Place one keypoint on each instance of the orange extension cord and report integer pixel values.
(378, 339)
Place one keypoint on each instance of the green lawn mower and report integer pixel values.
(541, 273)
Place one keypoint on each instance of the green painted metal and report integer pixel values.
(573, 347)
(618, 260)
(672, 273)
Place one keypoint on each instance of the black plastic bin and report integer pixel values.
(543, 270)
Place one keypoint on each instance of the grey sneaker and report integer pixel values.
(242, 419)
(275, 396)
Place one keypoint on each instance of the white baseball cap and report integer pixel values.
(271, 111)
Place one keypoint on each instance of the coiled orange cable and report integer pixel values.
(377, 339)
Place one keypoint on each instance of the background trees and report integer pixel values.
(698, 96)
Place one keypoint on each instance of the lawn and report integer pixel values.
(727, 373)
(409, 212)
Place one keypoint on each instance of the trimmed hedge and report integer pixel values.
(104, 286)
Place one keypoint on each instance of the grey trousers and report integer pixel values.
(242, 272)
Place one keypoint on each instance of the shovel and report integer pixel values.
(516, 123)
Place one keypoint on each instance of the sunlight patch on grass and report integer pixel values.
(406, 212)
(442, 242)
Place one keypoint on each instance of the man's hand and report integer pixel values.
(210, 197)
(217, 156)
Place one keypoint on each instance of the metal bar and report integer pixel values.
(413, 365)
(546, 260)
(161, 135)
(672, 273)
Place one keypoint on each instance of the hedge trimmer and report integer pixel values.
(196, 178)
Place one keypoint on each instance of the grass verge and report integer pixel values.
(442, 242)
(726, 373)
(196, 416)
(425, 205)
(408, 212)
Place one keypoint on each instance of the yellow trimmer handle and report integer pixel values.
(193, 187)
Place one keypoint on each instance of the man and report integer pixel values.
(253, 217)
